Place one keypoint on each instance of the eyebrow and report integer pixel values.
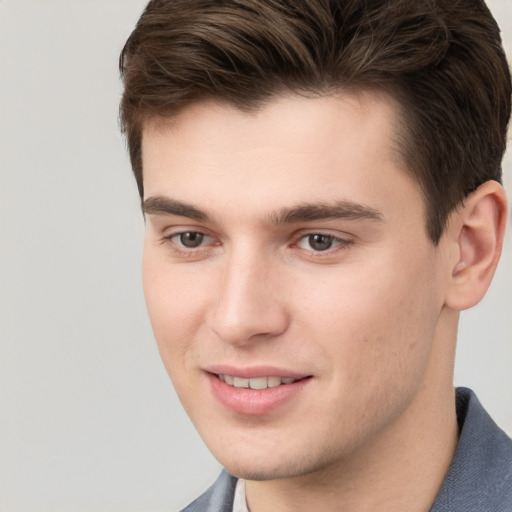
(338, 210)
(159, 205)
(344, 209)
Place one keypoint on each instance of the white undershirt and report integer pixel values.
(240, 503)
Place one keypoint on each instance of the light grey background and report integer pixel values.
(89, 421)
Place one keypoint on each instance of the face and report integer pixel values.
(292, 290)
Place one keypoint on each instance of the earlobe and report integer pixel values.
(479, 232)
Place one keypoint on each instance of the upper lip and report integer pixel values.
(252, 372)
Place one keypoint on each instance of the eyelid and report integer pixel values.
(169, 231)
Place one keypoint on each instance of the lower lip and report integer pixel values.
(254, 402)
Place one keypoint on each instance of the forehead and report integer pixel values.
(293, 149)
(283, 120)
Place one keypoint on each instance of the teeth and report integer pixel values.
(272, 382)
(256, 382)
(241, 383)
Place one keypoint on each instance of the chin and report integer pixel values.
(263, 472)
(278, 467)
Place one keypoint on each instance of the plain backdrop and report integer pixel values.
(89, 420)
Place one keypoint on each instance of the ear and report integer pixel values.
(477, 230)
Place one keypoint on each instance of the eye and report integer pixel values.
(318, 242)
(190, 239)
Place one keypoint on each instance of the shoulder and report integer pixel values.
(480, 476)
(218, 498)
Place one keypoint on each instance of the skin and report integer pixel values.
(368, 320)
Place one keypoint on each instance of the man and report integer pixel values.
(321, 187)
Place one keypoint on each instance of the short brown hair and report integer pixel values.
(442, 60)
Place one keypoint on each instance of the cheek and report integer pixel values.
(374, 338)
(176, 302)
(376, 324)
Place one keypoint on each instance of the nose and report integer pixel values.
(249, 304)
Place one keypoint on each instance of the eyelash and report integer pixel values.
(340, 244)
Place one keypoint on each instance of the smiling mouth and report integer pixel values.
(252, 393)
(256, 382)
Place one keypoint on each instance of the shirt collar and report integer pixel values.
(240, 503)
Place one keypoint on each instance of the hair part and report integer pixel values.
(442, 61)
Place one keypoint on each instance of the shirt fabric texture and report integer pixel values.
(479, 478)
